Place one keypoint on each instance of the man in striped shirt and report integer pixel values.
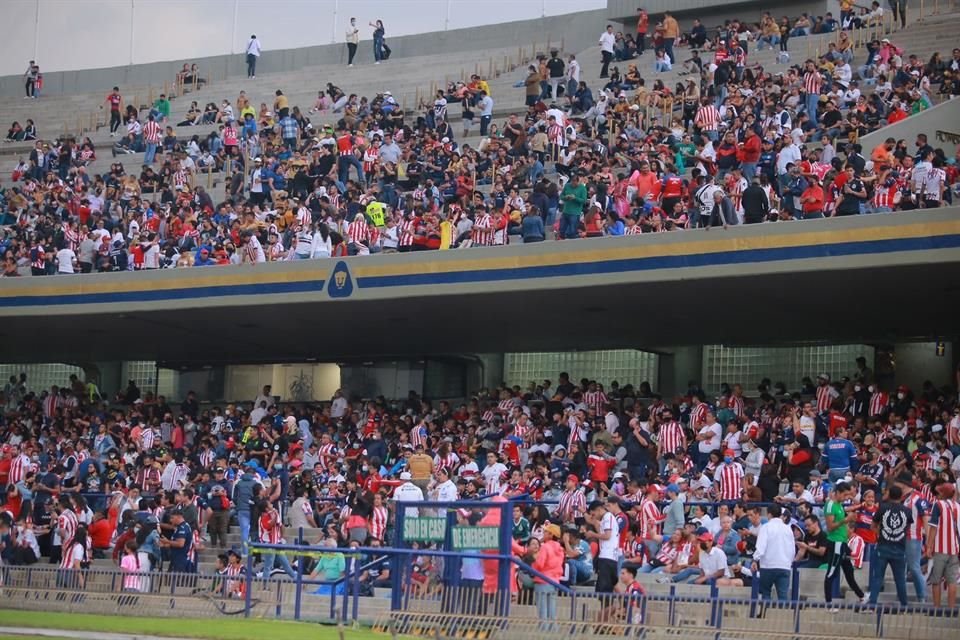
(919, 509)
(812, 83)
(943, 544)
(573, 503)
(708, 120)
(671, 438)
(729, 478)
(151, 137)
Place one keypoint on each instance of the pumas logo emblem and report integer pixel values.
(341, 284)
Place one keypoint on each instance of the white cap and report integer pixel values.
(405, 475)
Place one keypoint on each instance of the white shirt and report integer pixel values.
(409, 492)
(776, 546)
(808, 427)
(714, 561)
(609, 548)
(715, 431)
(573, 71)
(789, 154)
(338, 407)
(612, 422)
(447, 492)
(151, 257)
(607, 41)
(65, 260)
(253, 47)
(491, 477)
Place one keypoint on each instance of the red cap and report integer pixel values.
(705, 537)
(730, 452)
(573, 478)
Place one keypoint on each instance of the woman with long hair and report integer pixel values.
(73, 562)
(378, 34)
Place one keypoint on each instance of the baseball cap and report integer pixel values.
(572, 478)
(705, 537)
(673, 488)
(729, 452)
(405, 475)
(553, 530)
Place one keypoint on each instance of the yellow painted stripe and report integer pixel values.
(705, 245)
(210, 277)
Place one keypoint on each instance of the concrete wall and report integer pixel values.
(941, 124)
(579, 30)
(918, 361)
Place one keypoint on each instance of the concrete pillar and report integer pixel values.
(676, 368)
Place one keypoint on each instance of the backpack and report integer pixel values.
(386, 51)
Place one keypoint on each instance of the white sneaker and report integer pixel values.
(377, 62)
(833, 610)
(350, 65)
(663, 580)
(866, 598)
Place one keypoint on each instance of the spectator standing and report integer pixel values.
(115, 100)
(253, 54)
(557, 70)
(891, 524)
(838, 535)
(643, 25)
(671, 33)
(574, 197)
(30, 78)
(353, 40)
(151, 138)
(607, 41)
(943, 545)
(378, 33)
(775, 551)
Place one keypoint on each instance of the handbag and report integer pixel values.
(386, 51)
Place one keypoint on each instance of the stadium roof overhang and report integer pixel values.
(865, 279)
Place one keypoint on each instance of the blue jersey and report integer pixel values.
(840, 453)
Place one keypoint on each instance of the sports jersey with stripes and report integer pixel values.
(945, 518)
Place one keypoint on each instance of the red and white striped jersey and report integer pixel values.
(357, 231)
(697, 416)
(67, 528)
(672, 438)
(578, 433)
(304, 218)
(19, 467)
(326, 452)
(812, 81)
(271, 527)
(918, 509)
(66, 560)
(483, 230)
(728, 478)
(596, 400)
(448, 462)
(406, 230)
(857, 548)
(147, 438)
(207, 458)
(825, 396)
(650, 518)
(370, 155)
(378, 522)
(878, 402)
(418, 436)
(708, 117)
(151, 132)
(572, 505)
(50, 405)
(505, 406)
(945, 518)
(883, 196)
(736, 405)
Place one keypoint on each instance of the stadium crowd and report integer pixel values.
(608, 481)
(622, 155)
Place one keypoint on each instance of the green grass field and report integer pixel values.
(186, 628)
